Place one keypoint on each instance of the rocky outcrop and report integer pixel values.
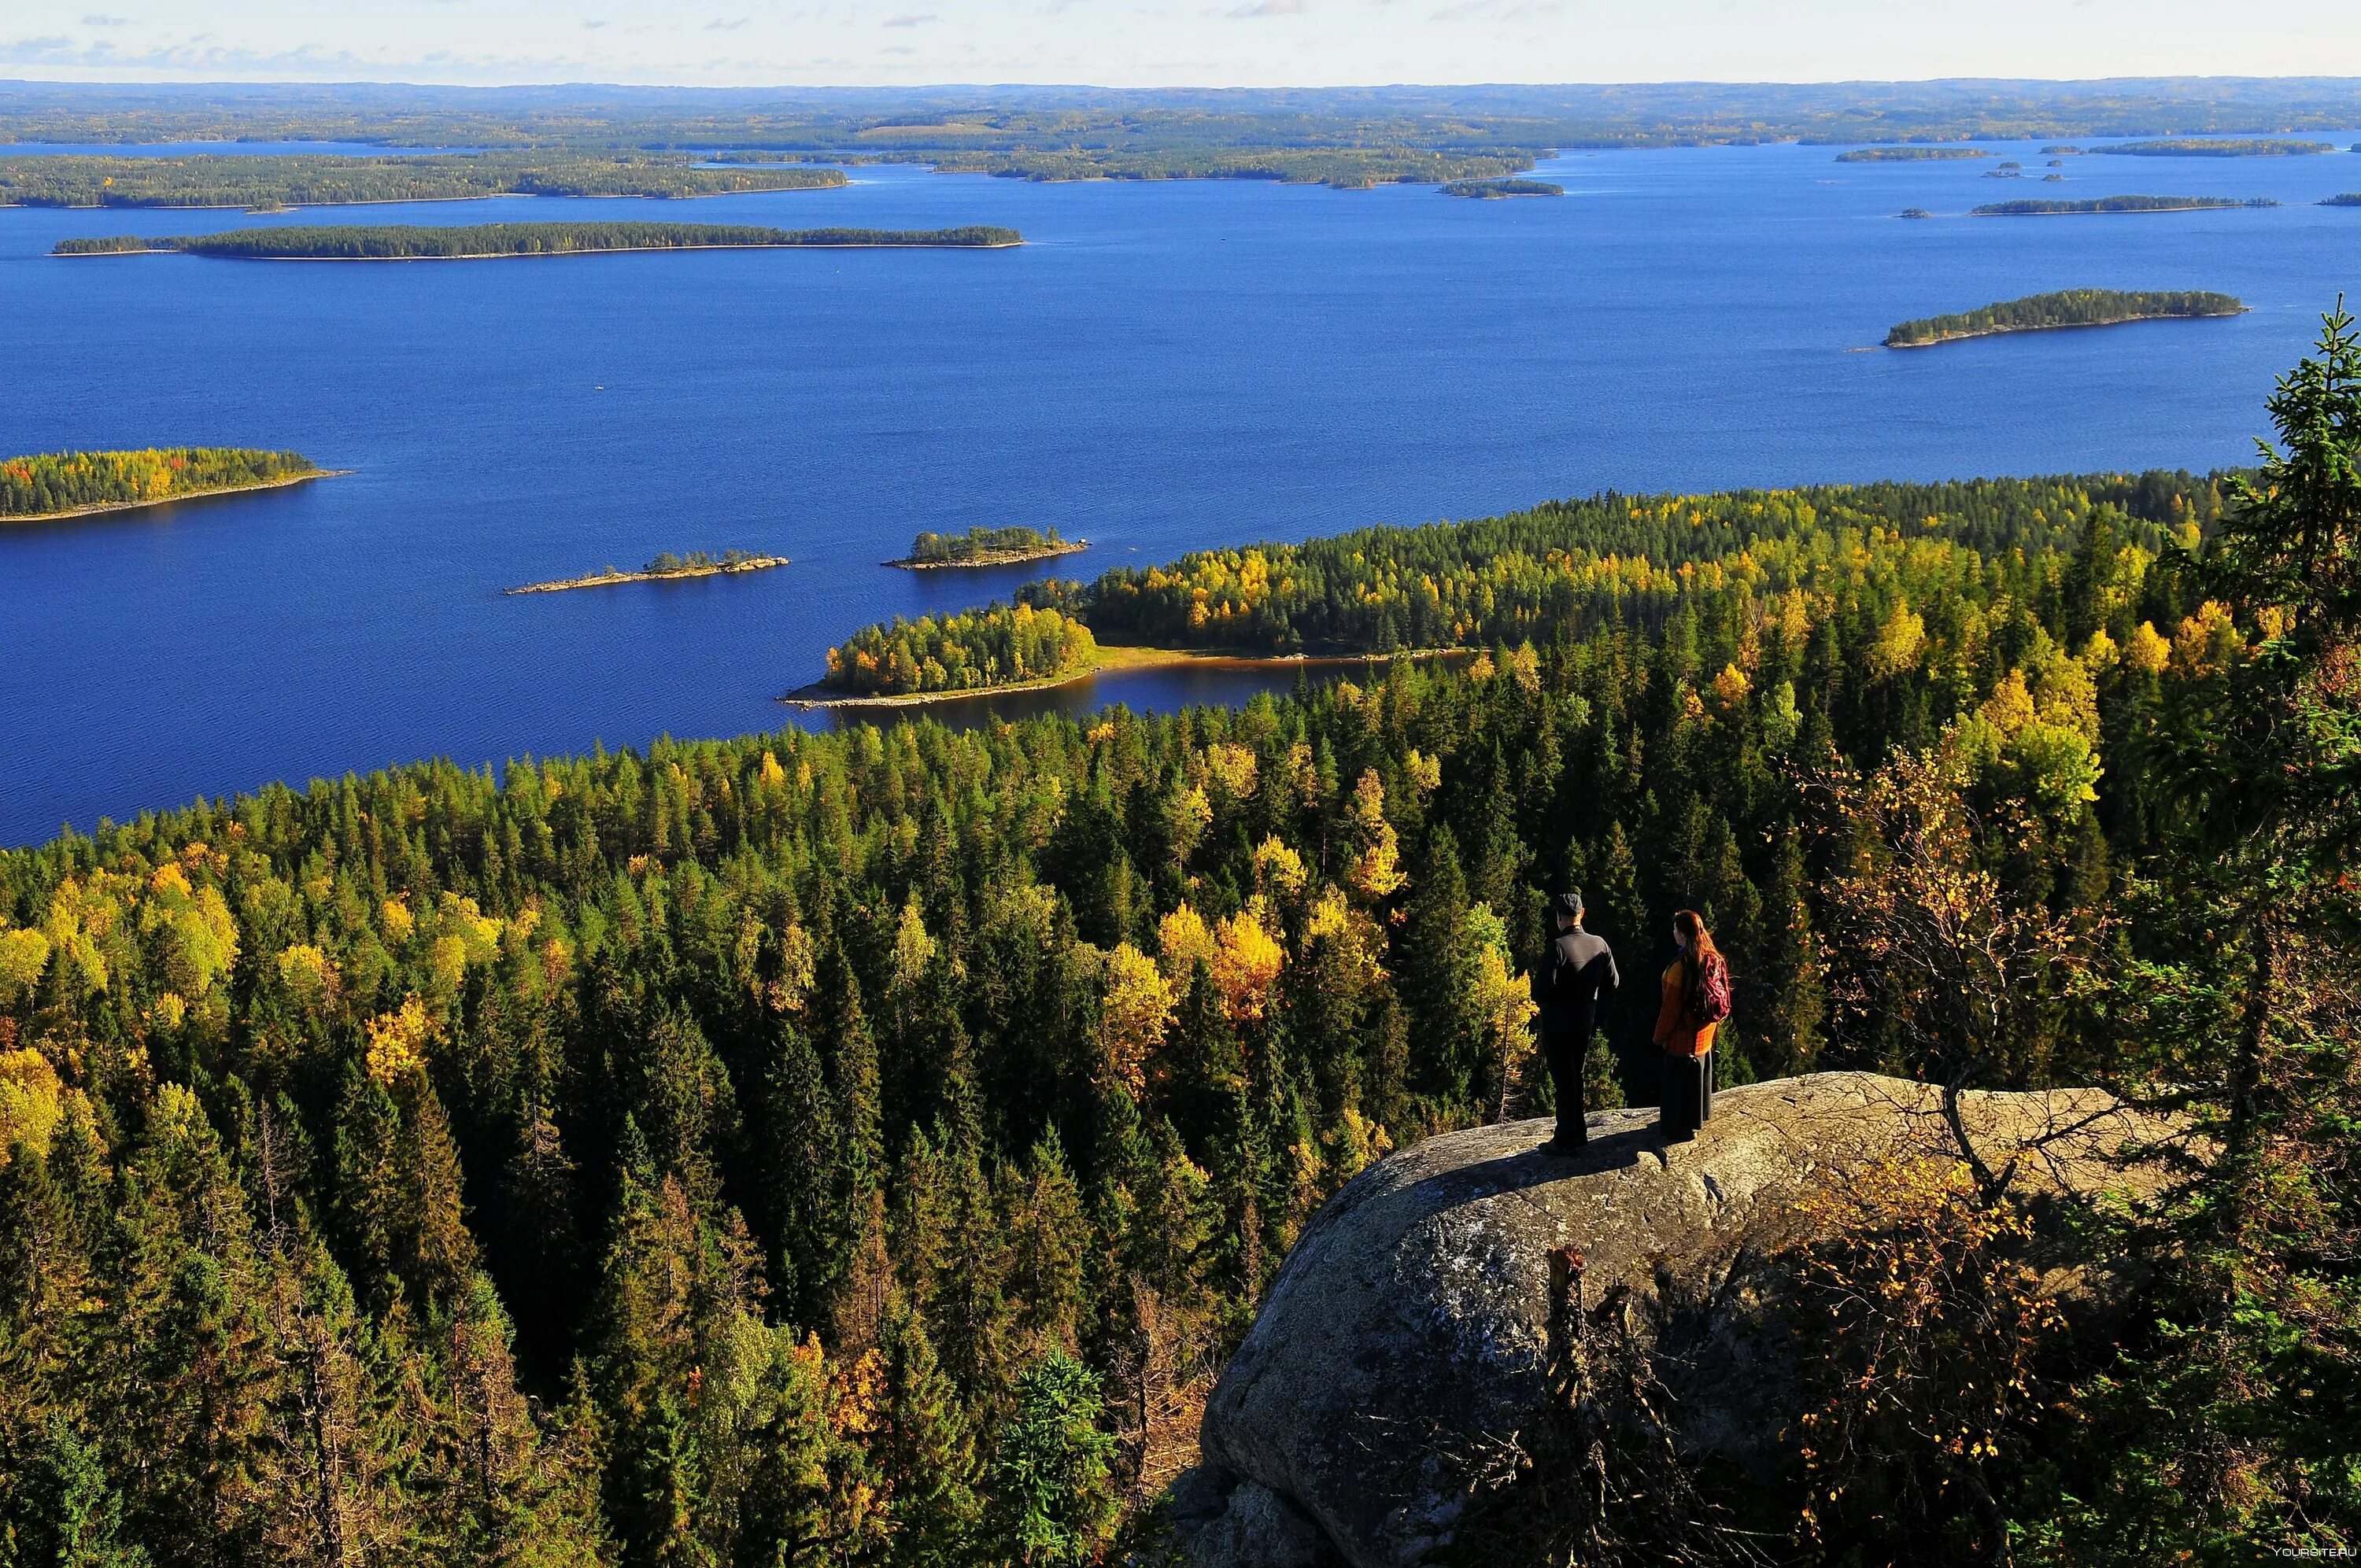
(1407, 1335)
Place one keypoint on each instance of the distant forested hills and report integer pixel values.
(307, 179)
(408, 242)
(1347, 137)
(2066, 307)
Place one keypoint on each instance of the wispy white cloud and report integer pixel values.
(1269, 9)
(909, 19)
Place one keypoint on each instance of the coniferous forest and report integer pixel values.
(863, 1147)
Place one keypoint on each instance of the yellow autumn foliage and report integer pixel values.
(1182, 942)
(1277, 869)
(1246, 964)
(1374, 870)
(31, 1100)
(1232, 767)
(398, 1041)
(23, 956)
(1135, 1011)
(2204, 644)
(309, 975)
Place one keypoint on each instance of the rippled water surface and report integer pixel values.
(1162, 367)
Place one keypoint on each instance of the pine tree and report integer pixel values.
(66, 1512)
(927, 1454)
(1048, 1236)
(1795, 996)
(1438, 975)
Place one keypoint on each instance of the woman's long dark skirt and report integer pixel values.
(1689, 1093)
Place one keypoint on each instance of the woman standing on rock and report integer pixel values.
(1697, 999)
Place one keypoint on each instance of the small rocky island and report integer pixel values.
(988, 548)
(666, 567)
(2065, 308)
(1493, 190)
(411, 242)
(73, 484)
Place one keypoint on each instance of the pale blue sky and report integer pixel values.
(1166, 42)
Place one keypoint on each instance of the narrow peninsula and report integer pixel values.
(2036, 209)
(2065, 308)
(1492, 190)
(406, 242)
(74, 483)
(666, 567)
(1909, 154)
(988, 548)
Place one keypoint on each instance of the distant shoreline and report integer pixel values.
(543, 255)
(386, 202)
(1110, 659)
(12, 518)
(612, 579)
(996, 557)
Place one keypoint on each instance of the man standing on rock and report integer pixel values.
(1572, 983)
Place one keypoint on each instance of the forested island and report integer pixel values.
(792, 1148)
(980, 546)
(1910, 154)
(1491, 189)
(666, 567)
(310, 179)
(65, 484)
(2065, 308)
(2036, 209)
(2206, 146)
(2349, 199)
(406, 242)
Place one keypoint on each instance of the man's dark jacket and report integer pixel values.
(1581, 978)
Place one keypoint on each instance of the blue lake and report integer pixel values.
(1163, 366)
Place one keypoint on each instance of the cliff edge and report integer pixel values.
(1408, 1341)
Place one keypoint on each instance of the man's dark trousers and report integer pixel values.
(1565, 1041)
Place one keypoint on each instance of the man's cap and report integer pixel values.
(1569, 903)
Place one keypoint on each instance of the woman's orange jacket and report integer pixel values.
(1675, 1031)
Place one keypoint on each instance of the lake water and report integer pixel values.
(1164, 366)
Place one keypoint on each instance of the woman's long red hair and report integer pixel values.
(1691, 926)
